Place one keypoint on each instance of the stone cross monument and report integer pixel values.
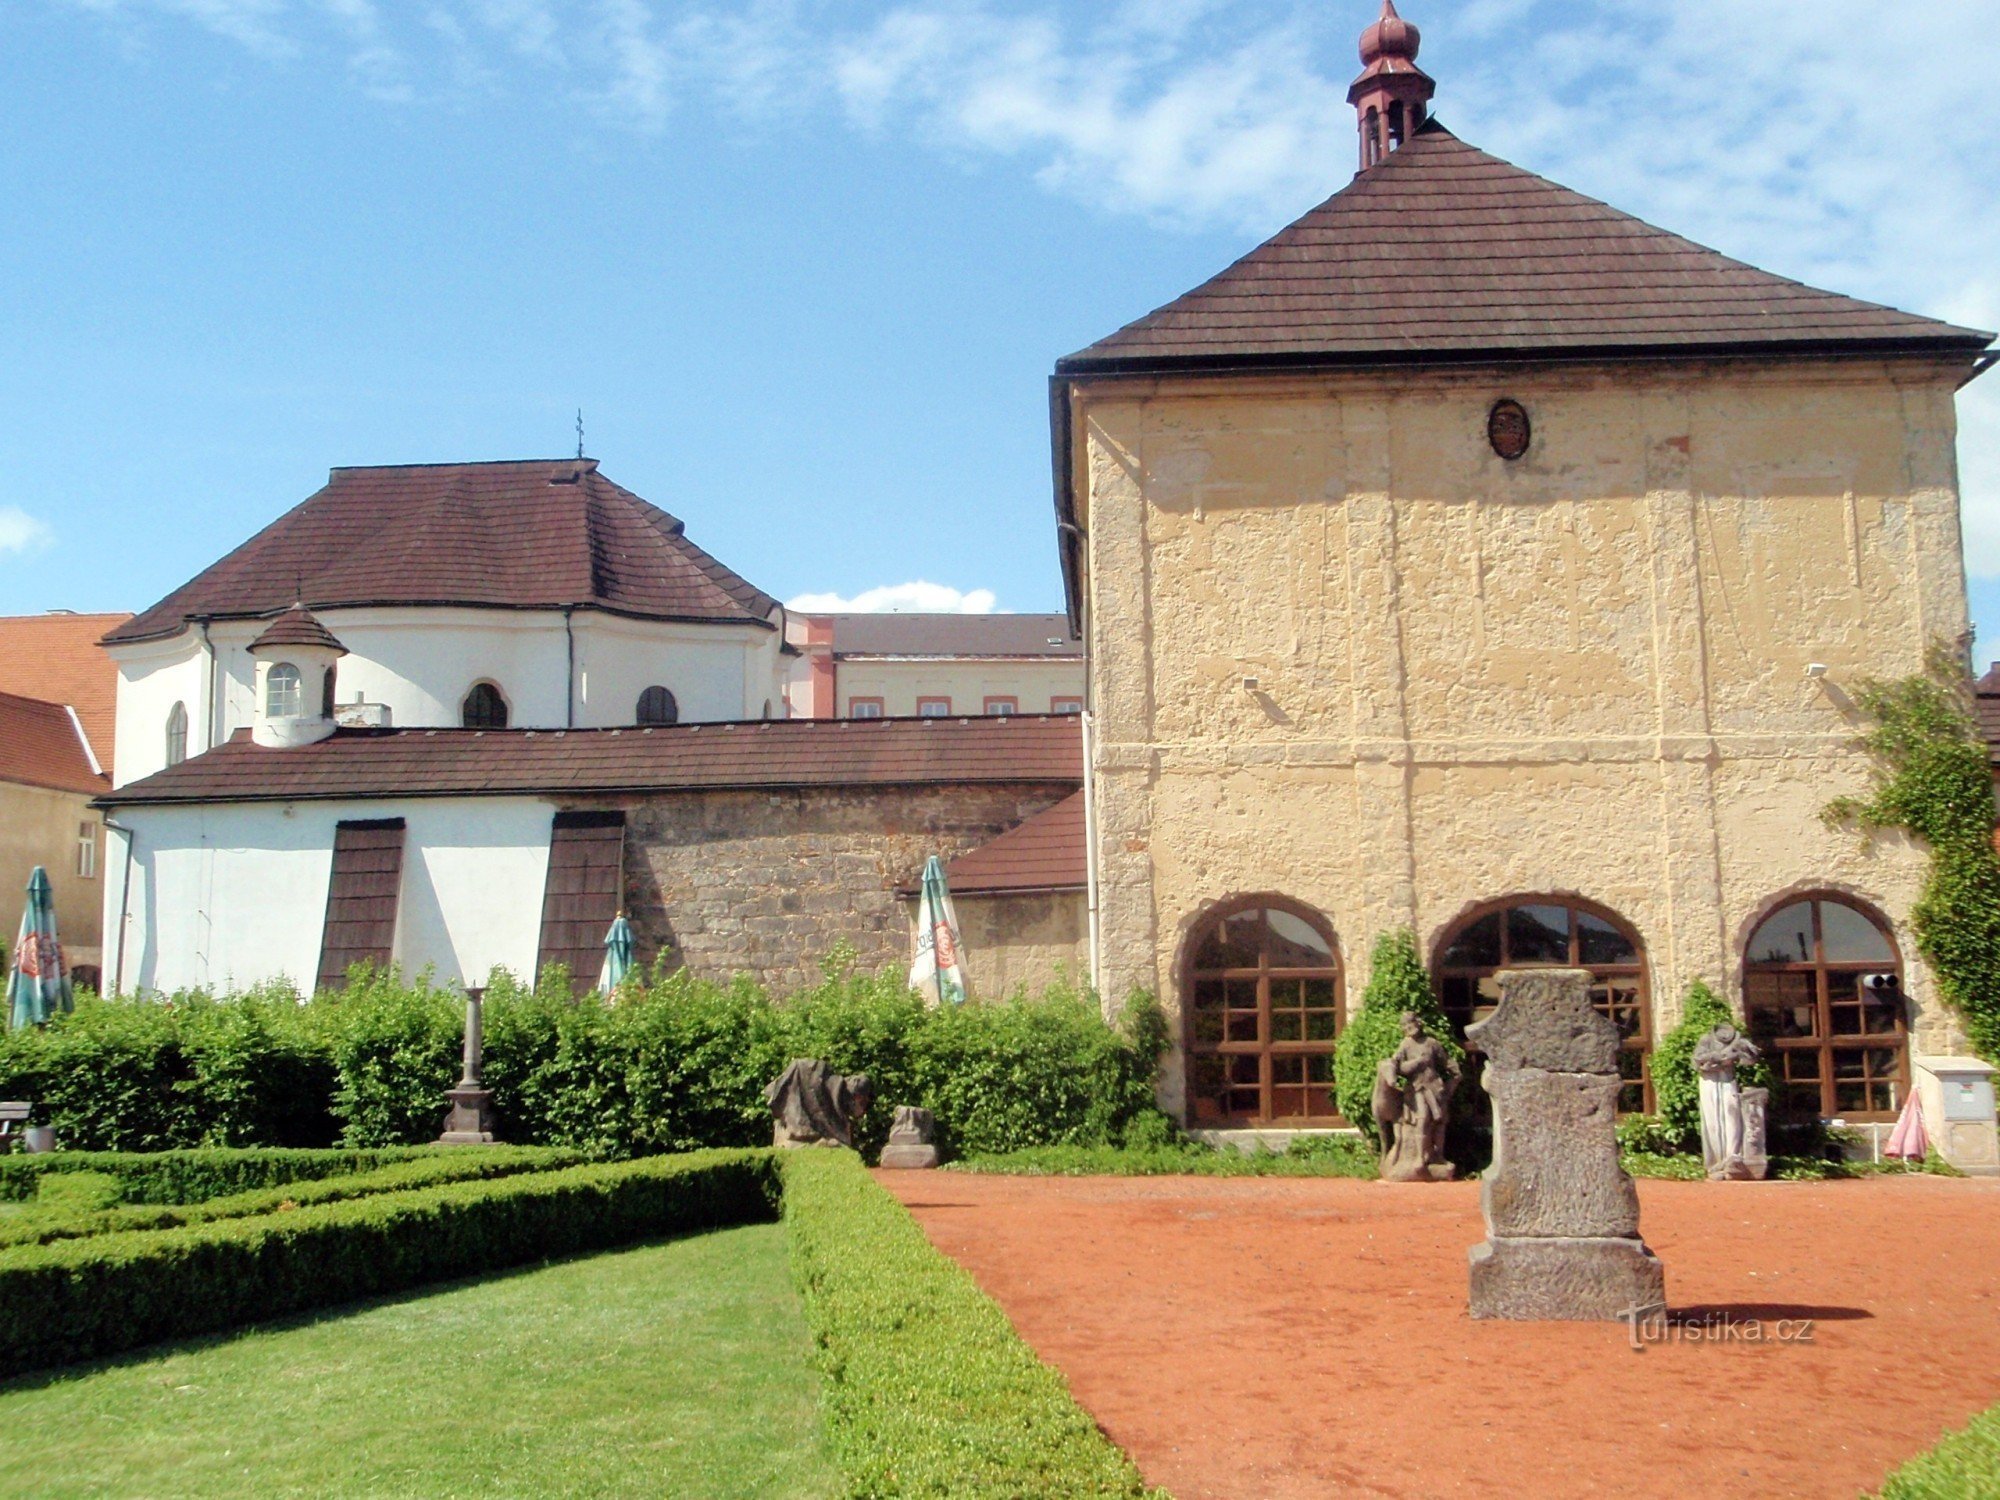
(1562, 1217)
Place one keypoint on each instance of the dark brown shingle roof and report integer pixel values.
(1046, 853)
(508, 762)
(297, 626)
(900, 634)
(1445, 250)
(40, 746)
(537, 534)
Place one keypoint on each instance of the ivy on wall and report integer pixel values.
(1935, 782)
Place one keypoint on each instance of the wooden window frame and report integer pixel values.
(1263, 1048)
(855, 705)
(1012, 700)
(1780, 1051)
(941, 704)
(1638, 1090)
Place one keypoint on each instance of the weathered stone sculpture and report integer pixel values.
(1412, 1105)
(811, 1105)
(1562, 1217)
(470, 1120)
(911, 1147)
(1730, 1113)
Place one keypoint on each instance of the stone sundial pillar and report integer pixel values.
(1562, 1216)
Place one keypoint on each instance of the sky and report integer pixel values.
(805, 265)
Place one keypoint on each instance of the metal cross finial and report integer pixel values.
(579, 432)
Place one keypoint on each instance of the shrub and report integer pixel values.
(1676, 1086)
(193, 1176)
(1329, 1156)
(929, 1391)
(1396, 983)
(79, 1298)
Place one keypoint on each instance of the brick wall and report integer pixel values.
(765, 883)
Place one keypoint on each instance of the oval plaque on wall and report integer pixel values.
(1507, 429)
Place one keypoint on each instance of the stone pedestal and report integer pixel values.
(1562, 1217)
(910, 1146)
(471, 1121)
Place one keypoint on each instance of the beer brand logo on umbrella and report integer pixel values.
(38, 981)
(938, 971)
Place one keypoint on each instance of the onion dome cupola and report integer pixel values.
(1392, 96)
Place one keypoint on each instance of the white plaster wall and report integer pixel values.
(151, 679)
(715, 672)
(223, 897)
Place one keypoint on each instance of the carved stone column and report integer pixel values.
(471, 1122)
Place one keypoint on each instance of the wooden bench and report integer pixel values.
(13, 1119)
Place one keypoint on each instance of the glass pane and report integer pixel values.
(1881, 1005)
(1294, 944)
(1538, 934)
(1477, 947)
(1598, 942)
(1801, 1063)
(1207, 1027)
(1287, 994)
(1887, 1095)
(1288, 1026)
(1322, 1025)
(1242, 1026)
(1802, 1099)
(1884, 1062)
(1848, 1064)
(1208, 1073)
(1240, 994)
(1850, 1098)
(1320, 1102)
(1208, 994)
(1319, 994)
(1232, 943)
(1780, 1004)
(1288, 1069)
(1456, 997)
(1288, 1104)
(1243, 1104)
(1319, 1067)
(1244, 1070)
(1850, 937)
(1785, 937)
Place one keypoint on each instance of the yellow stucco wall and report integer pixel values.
(40, 827)
(1020, 944)
(1581, 672)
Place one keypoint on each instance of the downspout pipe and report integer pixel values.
(1090, 881)
(124, 900)
(569, 683)
(208, 729)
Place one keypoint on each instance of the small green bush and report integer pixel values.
(929, 1391)
(1396, 983)
(1676, 1085)
(84, 1297)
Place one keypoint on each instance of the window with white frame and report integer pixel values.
(282, 694)
(86, 851)
(1002, 706)
(864, 708)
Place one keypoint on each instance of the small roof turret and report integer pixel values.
(294, 628)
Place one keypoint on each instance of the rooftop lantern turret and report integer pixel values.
(295, 666)
(1392, 96)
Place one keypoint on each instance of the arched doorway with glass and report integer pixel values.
(1823, 996)
(1553, 932)
(1262, 983)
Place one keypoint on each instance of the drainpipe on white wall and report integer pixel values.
(569, 682)
(124, 901)
(208, 729)
(1090, 851)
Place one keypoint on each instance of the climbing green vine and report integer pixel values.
(1935, 782)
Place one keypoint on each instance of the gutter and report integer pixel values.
(1090, 878)
(208, 735)
(569, 686)
(124, 900)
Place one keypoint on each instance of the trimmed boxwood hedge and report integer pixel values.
(194, 1175)
(78, 1298)
(929, 1391)
(457, 1165)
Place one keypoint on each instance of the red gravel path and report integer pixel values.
(1250, 1338)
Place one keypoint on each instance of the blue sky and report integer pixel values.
(805, 264)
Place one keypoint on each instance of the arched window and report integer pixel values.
(326, 692)
(177, 734)
(657, 706)
(281, 692)
(484, 708)
(1823, 995)
(1525, 932)
(1264, 991)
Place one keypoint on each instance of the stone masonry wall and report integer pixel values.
(766, 883)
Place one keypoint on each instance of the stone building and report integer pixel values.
(1476, 559)
(898, 665)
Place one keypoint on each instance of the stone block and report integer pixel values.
(1569, 1280)
(1555, 1157)
(1545, 1020)
(909, 1158)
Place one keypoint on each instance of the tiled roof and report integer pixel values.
(297, 626)
(1444, 250)
(537, 534)
(1046, 853)
(507, 762)
(953, 635)
(56, 658)
(39, 746)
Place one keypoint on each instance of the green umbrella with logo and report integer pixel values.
(618, 948)
(38, 979)
(938, 972)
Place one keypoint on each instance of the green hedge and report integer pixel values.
(192, 1176)
(676, 1064)
(464, 1164)
(79, 1298)
(1965, 1466)
(929, 1391)
(1307, 1156)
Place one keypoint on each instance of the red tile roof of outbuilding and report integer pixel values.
(40, 746)
(534, 534)
(56, 658)
(1443, 250)
(1046, 853)
(378, 763)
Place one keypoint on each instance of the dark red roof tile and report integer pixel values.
(1046, 853)
(537, 534)
(40, 746)
(297, 626)
(56, 658)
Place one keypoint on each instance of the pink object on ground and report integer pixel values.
(1909, 1139)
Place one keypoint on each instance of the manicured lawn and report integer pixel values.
(671, 1369)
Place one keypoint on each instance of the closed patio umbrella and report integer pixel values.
(38, 979)
(938, 971)
(1909, 1139)
(617, 955)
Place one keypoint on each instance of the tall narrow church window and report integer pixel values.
(1263, 994)
(177, 734)
(657, 706)
(484, 708)
(1823, 996)
(281, 692)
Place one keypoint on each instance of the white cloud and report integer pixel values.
(21, 532)
(907, 598)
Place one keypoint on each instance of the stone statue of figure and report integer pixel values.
(811, 1105)
(1412, 1105)
(1726, 1147)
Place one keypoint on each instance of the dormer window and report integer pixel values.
(281, 692)
(657, 706)
(484, 708)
